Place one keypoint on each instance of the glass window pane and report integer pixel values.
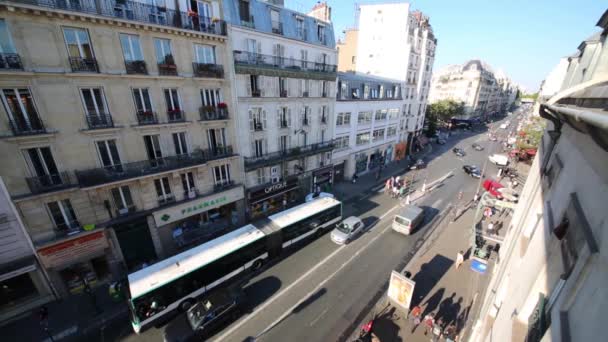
(6, 43)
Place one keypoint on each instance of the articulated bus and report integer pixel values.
(175, 283)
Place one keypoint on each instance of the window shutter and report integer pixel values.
(275, 49)
(248, 85)
(265, 146)
(288, 117)
(279, 117)
(253, 153)
(319, 114)
(289, 141)
(264, 119)
(251, 128)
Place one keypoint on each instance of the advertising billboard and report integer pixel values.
(400, 290)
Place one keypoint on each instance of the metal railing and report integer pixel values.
(256, 93)
(167, 69)
(257, 59)
(277, 27)
(33, 125)
(136, 11)
(249, 22)
(218, 152)
(223, 185)
(136, 67)
(10, 61)
(211, 113)
(341, 96)
(176, 115)
(288, 154)
(283, 124)
(208, 70)
(81, 64)
(47, 183)
(146, 118)
(95, 121)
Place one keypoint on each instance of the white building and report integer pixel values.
(285, 72)
(367, 124)
(550, 282)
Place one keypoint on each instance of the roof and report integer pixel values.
(410, 211)
(354, 76)
(351, 220)
(290, 216)
(603, 22)
(157, 275)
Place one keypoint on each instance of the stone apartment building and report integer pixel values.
(284, 87)
(118, 137)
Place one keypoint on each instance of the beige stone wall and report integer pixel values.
(347, 50)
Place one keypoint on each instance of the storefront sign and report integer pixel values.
(400, 290)
(196, 206)
(270, 190)
(275, 187)
(66, 252)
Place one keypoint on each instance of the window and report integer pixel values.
(362, 139)
(259, 146)
(173, 105)
(78, 43)
(284, 117)
(378, 134)
(304, 58)
(355, 93)
(254, 85)
(300, 30)
(305, 116)
(163, 51)
(143, 104)
(179, 141)
(275, 22)
(204, 54)
(282, 87)
(284, 143)
(342, 142)
(63, 215)
(321, 33)
(261, 175)
(244, 10)
(6, 41)
(343, 119)
(324, 114)
(257, 119)
(163, 190)
(122, 199)
(305, 88)
(211, 97)
(381, 114)
(108, 155)
(365, 92)
(95, 106)
(152, 143)
(131, 47)
(21, 111)
(324, 89)
(216, 138)
(391, 131)
(188, 184)
(221, 175)
(393, 113)
(42, 165)
(364, 118)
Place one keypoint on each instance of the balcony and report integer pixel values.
(211, 113)
(80, 64)
(244, 61)
(10, 61)
(33, 125)
(252, 163)
(99, 121)
(136, 67)
(277, 27)
(219, 152)
(48, 183)
(137, 11)
(208, 70)
(283, 124)
(248, 22)
(257, 125)
(301, 34)
(305, 94)
(283, 93)
(176, 115)
(305, 122)
(256, 93)
(167, 199)
(144, 168)
(146, 118)
(167, 69)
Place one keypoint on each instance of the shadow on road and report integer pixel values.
(386, 328)
(258, 292)
(427, 277)
(311, 299)
(369, 222)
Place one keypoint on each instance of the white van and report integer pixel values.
(499, 159)
(407, 219)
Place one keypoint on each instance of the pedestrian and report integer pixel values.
(437, 329)
(450, 333)
(415, 317)
(491, 227)
(387, 186)
(355, 178)
(459, 259)
(476, 198)
(429, 321)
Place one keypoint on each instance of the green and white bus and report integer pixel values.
(176, 282)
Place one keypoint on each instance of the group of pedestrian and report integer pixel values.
(437, 327)
(494, 227)
(395, 187)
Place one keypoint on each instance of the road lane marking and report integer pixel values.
(296, 282)
(437, 203)
(318, 318)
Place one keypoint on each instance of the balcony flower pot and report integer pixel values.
(222, 105)
(215, 19)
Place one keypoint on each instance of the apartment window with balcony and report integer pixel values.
(188, 185)
(9, 59)
(381, 94)
(180, 143)
(365, 92)
(364, 118)
(257, 119)
(391, 131)
(254, 85)
(261, 175)
(275, 22)
(343, 119)
(284, 117)
(282, 87)
(300, 30)
(284, 142)
(324, 89)
(42, 166)
(122, 199)
(108, 155)
(131, 50)
(362, 139)
(244, 11)
(216, 138)
(397, 92)
(343, 88)
(22, 114)
(324, 114)
(322, 136)
(378, 135)
(305, 88)
(304, 58)
(278, 51)
(221, 175)
(63, 216)
(164, 57)
(305, 116)
(259, 147)
(97, 113)
(163, 190)
(174, 111)
(381, 115)
(80, 50)
(321, 33)
(355, 93)
(152, 144)
(204, 54)
(143, 106)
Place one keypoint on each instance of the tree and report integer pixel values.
(444, 110)
(430, 123)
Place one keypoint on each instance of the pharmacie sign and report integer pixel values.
(196, 206)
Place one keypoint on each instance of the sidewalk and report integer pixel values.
(68, 319)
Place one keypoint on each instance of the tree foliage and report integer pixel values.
(444, 110)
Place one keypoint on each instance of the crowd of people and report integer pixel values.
(396, 187)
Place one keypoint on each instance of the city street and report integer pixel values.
(318, 292)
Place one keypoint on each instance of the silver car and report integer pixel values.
(347, 230)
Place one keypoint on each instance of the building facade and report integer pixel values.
(118, 136)
(347, 51)
(550, 282)
(284, 66)
(368, 123)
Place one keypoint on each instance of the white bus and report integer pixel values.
(175, 283)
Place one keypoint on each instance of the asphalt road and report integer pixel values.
(316, 293)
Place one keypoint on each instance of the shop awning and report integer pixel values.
(17, 267)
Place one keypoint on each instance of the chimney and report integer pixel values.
(321, 11)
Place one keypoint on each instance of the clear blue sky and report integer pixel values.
(524, 38)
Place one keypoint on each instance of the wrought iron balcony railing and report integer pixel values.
(80, 64)
(136, 67)
(176, 115)
(269, 61)
(10, 61)
(97, 121)
(287, 155)
(211, 113)
(208, 70)
(33, 125)
(146, 118)
(48, 183)
(167, 69)
(277, 27)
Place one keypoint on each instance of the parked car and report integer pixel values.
(419, 164)
(492, 187)
(477, 147)
(206, 316)
(499, 159)
(458, 151)
(347, 230)
(472, 170)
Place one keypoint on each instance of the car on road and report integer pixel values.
(206, 316)
(407, 219)
(419, 164)
(347, 230)
(477, 147)
(472, 170)
(458, 151)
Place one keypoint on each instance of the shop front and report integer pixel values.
(375, 159)
(270, 198)
(71, 262)
(388, 155)
(360, 163)
(400, 150)
(323, 179)
(135, 241)
(339, 170)
(194, 222)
